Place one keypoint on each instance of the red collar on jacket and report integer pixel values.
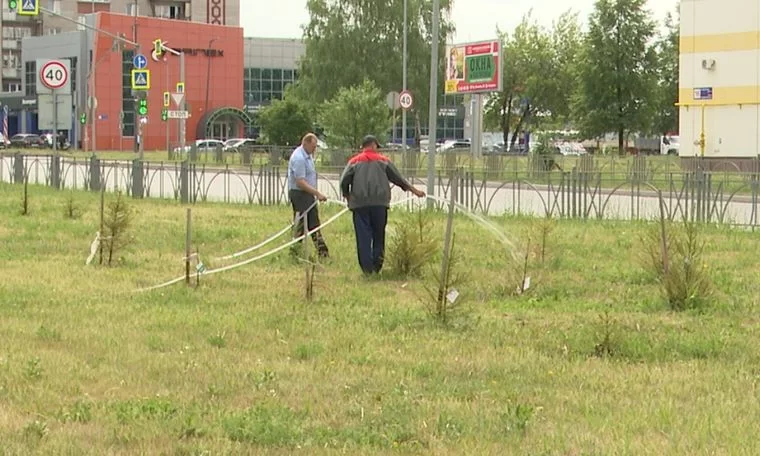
(367, 155)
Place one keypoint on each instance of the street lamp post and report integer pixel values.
(208, 76)
(433, 106)
(403, 111)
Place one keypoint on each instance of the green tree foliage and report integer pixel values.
(616, 80)
(284, 122)
(355, 112)
(666, 90)
(348, 41)
(538, 76)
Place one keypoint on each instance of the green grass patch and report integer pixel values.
(590, 360)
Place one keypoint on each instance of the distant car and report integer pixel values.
(455, 145)
(201, 145)
(27, 140)
(234, 145)
(570, 148)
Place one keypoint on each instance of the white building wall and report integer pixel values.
(728, 33)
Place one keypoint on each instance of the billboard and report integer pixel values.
(474, 67)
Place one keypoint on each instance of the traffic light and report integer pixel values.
(142, 107)
(158, 48)
(13, 5)
(167, 99)
(83, 118)
(164, 114)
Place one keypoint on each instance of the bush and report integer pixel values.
(411, 245)
(674, 257)
(117, 222)
(685, 282)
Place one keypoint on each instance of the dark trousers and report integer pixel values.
(369, 226)
(301, 202)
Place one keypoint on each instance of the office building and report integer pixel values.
(271, 64)
(216, 12)
(68, 16)
(719, 79)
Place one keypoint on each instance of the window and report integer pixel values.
(82, 21)
(30, 78)
(133, 10)
(73, 73)
(16, 33)
(127, 101)
(172, 11)
(261, 85)
(52, 31)
(55, 6)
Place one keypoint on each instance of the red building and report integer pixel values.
(213, 82)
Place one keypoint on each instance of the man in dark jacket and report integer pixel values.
(365, 183)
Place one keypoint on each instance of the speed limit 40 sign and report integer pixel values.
(54, 74)
(405, 99)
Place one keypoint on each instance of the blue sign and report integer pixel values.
(29, 8)
(140, 79)
(703, 93)
(140, 62)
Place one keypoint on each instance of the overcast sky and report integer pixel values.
(475, 19)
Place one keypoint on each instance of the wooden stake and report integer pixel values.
(447, 244)
(663, 235)
(102, 218)
(188, 240)
(307, 264)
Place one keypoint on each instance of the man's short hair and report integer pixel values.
(309, 138)
(370, 140)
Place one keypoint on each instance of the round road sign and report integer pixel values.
(54, 75)
(405, 99)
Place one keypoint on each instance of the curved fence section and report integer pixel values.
(588, 190)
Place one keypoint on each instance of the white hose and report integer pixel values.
(274, 236)
(262, 256)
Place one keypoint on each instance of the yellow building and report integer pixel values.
(719, 78)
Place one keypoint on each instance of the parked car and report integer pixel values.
(570, 148)
(27, 140)
(455, 145)
(233, 145)
(201, 145)
(63, 141)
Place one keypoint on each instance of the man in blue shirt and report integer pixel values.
(303, 193)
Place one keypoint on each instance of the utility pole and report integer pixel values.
(208, 76)
(433, 107)
(403, 111)
(137, 124)
(183, 105)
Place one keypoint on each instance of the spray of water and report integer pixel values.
(497, 231)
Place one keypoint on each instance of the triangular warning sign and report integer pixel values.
(178, 97)
(140, 79)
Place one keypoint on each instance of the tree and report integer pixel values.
(538, 74)
(285, 121)
(666, 97)
(348, 41)
(616, 79)
(353, 113)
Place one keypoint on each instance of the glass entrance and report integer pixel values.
(221, 130)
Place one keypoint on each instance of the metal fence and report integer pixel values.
(585, 191)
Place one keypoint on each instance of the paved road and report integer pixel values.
(238, 186)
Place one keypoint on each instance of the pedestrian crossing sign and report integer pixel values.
(140, 79)
(29, 7)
